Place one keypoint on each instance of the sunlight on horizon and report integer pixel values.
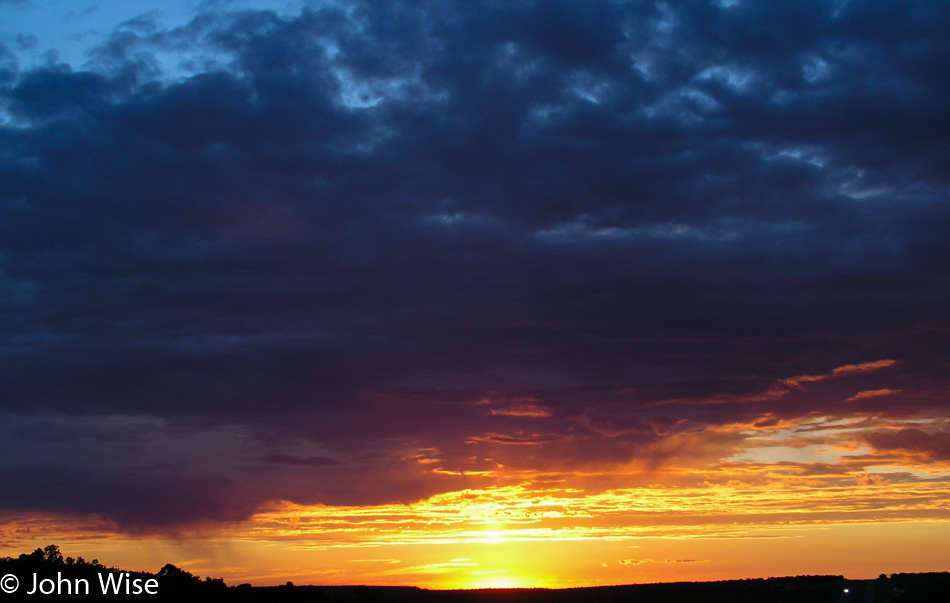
(636, 536)
(759, 498)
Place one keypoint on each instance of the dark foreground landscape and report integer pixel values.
(47, 573)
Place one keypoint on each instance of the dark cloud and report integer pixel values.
(286, 459)
(347, 228)
(136, 502)
(934, 446)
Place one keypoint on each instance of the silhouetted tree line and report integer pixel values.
(71, 577)
(178, 584)
(918, 588)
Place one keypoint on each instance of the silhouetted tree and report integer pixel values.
(52, 555)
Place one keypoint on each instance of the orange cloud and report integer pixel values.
(863, 367)
(526, 410)
(873, 393)
(520, 438)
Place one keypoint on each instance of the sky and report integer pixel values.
(465, 294)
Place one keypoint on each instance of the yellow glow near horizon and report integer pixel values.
(856, 551)
(523, 536)
(747, 513)
(493, 581)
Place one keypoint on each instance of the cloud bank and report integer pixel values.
(366, 254)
